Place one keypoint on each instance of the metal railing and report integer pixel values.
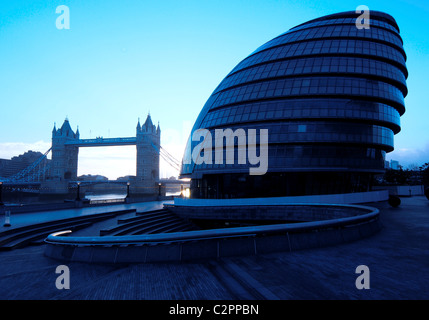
(107, 201)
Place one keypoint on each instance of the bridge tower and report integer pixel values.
(64, 159)
(148, 141)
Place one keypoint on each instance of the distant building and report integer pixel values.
(9, 168)
(90, 177)
(394, 165)
(126, 178)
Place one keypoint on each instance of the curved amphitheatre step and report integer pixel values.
(151, 222)
(33, 234)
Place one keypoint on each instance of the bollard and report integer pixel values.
(394, 201)
(7, 219)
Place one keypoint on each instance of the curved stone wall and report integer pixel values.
(215, 243)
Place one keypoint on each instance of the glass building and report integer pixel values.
(330, 95)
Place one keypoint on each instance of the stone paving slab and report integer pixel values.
(397, 257)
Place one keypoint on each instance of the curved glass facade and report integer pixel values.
(330, 97)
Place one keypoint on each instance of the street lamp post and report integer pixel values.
(7, 212)
(1, 191)
(7, 219)
(159, 189)
(128, 190)
(78, 192)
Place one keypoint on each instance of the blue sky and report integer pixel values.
(122, 59)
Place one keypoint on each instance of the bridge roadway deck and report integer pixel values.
(397, 257)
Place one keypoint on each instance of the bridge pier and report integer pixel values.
(54, 187)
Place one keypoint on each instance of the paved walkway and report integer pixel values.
(397, 257)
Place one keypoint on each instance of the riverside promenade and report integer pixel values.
(397, 258)
(28, 218)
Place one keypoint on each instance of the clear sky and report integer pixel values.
(122, 59)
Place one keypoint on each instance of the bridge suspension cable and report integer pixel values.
(32, 174)
(170, 157)
(172, 161)
(25, 174)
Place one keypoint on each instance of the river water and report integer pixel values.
(112, 196)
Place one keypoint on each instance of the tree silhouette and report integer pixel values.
(424, 170)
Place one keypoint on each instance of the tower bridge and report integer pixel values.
(65, 152)
(59, 175)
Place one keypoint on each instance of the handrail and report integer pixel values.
(102, 201)
(251, 231)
